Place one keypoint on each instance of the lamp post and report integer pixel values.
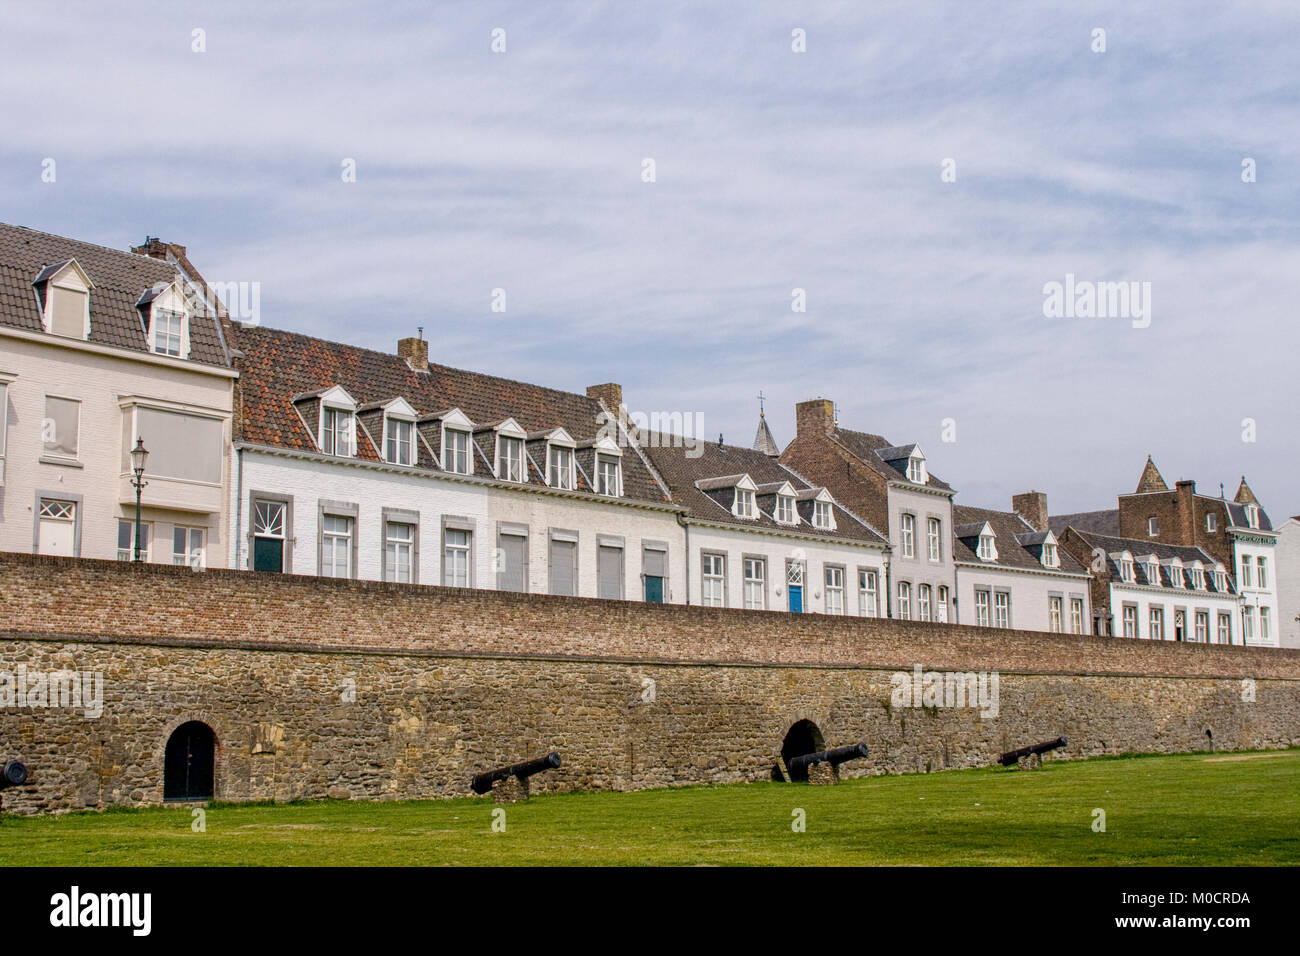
(139, 455)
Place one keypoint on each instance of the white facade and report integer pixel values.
(1288, 582)
(1032, 600)
(777, 554)
(71, 411)
(1256, 567)
(913, 566)
(1132, 606)
(338, 515)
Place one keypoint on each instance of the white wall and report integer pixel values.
(1172, 599)
(1030, 593)
(1288, 581)
(1255, 596)
(919, 569)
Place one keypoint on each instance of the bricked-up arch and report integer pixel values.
(189, 763)
(803, 737)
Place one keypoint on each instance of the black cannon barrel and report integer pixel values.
(835, 756)
(482, 782)
(1013, 756)
(14, 774)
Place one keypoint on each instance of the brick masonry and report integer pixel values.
(451, 682)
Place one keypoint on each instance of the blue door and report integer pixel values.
(796, 598)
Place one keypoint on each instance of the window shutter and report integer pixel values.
(609, 572)
(655, 563)
(514, 552)
(563, 559)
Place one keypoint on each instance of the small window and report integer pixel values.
(1054, 615)
(1220, 579)
(455, 451)
(187, 547)
(336, 432)
(336, 546)
(399, 441)
(941, 611)
(867, 600)
(1211, 523)
(561, 467)
(61, 429)
(399, 552)
(715, 582)
(923, 602)
(755, 584)
(908, 523)
(68, 311)
(1002, 609)
(785, 509)
(822, 516)
(934, 529)
(1252, 516)
(1051, 558)
(1202, 627)
(1175, 575)
(904, 601)
(1153, 526)
(510, 458)
(1126, 570)
(1076, 615)
(1246, 576)
(126, 539)
(1157, 619)
(916, 469)
(167, 331)
(1225, 627)
(455, 558)
(1130, 620)
(608, 476)
(982, 601)
(834, 578)
(744, 503)
(1261, 572)
(1265, 623)
(987, 549)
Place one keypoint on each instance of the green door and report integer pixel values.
(654, 589)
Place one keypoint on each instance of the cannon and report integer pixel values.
(482, 782)
(1012, 757)
(835, 756)
(13, 774)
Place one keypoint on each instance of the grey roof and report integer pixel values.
(763, 440)
(1097, 522)
(1141, 547)
(1018, 544)
(869, 449)
(119, 279)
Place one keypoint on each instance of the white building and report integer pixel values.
(100, 349)
(1288, 582)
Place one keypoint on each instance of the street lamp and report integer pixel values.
(139, 455)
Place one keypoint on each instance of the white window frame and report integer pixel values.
(713, 578)
(1076, 615)
(1153, 526)
(457, 442)
(904, 601)
(146, 545)
(509, 469)
(395, 545)
(395, 443)
(344, 427)
(158, 315)
(907, 530)
(188, 557)
(1055, 613)
(923, 592)
(561, 475)
(1201, 626)
(745, 506)
(755, 574)
(1156, 622)
(1211, 522)
(983, 607)
(1002, 609)
(868, 595)
(1129, 619)
(452, 554)
(934, 539)
(987, 549)
(47, 454)
(1261, 572)
(330, 541)
(1224, 628)
(604, 486)
(785, 510)
(833, 581)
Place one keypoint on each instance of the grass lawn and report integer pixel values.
(1196, 809)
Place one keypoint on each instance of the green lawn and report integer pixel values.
(1183, 810)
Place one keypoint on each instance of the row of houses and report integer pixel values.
(276, 452)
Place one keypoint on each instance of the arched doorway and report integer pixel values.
(188, 762)
(802, 738)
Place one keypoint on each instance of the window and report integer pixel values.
(126, 539)
(399, 552)
(4, 421)
(455, 451)
(1126, 569)
(1076, 615)
(1220, 578)
(1261, 572)
(336, 546)
(608, 477)
(1252, 515)
(1050, 557)
(923, 602)
(61, 429)
(1153, 572)
(934, 529)
(270, 538)
(744, 503)
(755, 584)
(785, 509)
(1054, 616)
(399, 441)
(512, 559)
(510, 458)
(187, 547)
(909, 535)
(1245, 571)
(715, 582)
(1225, 627)
(336, 432)
(941, 613)
(987, 550)
(1153, 526)
(1202, 627)
(822, 516)
(904, 601)
(982, 608)
(1130, 620)
(654, 568)
(1002, 609)
(564, 563)
(1175, 574)
(834, 590)
(1247, 624)
(455, 556)
(609, 572)
(1265, 623)
(916, 469)
(1211, 523)
(1198, 579)
(68, 311)
(1157, 621)
(58, 528)
(181, 446)
(560, 463)
(167, 327)
(867, 600)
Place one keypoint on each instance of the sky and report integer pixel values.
(921, 171)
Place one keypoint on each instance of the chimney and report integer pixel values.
(1032, 506)
(817, 416)
(155, 248)
(415, 351)
(1185, 495)
(609, 393)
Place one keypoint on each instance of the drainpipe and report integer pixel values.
(687, 528)
(889, 589)
(239, 505)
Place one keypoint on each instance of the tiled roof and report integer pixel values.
(1140, 548)
(278, 365)
(868, 448)
(1097, 522)
(1151, 479)
(119, 279)
(681, 472)
(1018, 545)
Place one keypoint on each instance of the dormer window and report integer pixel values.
(609, 475)
(1126, 568)
(399, 432)
(1153, 572)
(63, 291)
(822, 516)
(559, 467)
(167, 327)
(1252, 515)
(338, 423)
(1051, 559)
(455, 451)
(916, 469)
(1220, 578)
(1198, 577)
(510, 451)
(987, 549)
(745, 503)
(164, 315)
(1175, 573)
(785, 509)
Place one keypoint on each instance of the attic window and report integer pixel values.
(1153, 526)
(822, 516)
(455, 451)
(1198, 578)
(1175, 573)
(1126, 569)
(1220, 578)
(1153, 572)
(559, 467)
(337, 431)
(916, 469)
(987, 549)
(1211, 523)
(609, 477)
(168, 327)
(399, 441)
(785, 509)
(744, 503)
(1252, 515)
(1051, 559)
(510, 458)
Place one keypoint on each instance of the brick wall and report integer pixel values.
(449, 682)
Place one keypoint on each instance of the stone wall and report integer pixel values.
(317, 688)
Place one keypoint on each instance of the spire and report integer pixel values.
(763, 440)
(1244, 495)
(1151, 480)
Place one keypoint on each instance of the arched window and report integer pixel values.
(189, 761)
